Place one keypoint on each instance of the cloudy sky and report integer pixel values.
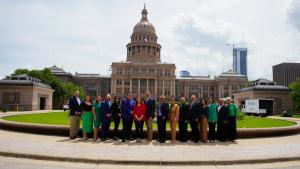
(86, 36)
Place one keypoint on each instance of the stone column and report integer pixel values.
(139, 87)
(163, 88)
(123, 81)
(229, 90)
(147, 85)
(155, 88)
(130, 86)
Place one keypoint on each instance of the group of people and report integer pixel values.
(198, 114)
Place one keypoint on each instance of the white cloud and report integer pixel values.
(86, 36)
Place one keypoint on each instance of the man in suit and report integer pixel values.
(194, 117)
(127, 106)
(75, 112)
(105, 116)
(162, 113)
(222, 127)
(150, 109)
(183, 119)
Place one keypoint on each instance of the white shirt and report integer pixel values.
(78, 100)
(220, 106)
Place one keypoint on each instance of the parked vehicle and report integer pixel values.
(65, 107)
(262, 107)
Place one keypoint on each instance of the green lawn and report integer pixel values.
(259, 122)
(296, 116)
(61, 118)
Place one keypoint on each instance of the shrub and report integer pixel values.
(240, 115)
(4, 110)
(286, 114)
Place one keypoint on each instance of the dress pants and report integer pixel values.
(74, 126)
(149, 129)
(126, 129)
(161, 125)
(195, 130)
(139, 129)
(105, 123)
(212, 130)
(232, 133)
(182, 131)
(117, 120)
(222, 130)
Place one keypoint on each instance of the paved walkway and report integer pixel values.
(244, 149)
(62, 148)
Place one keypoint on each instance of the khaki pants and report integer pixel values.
(149, 129)
(74, 126)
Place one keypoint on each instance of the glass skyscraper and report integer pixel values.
(240, 60)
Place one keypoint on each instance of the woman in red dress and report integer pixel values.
(139, 113)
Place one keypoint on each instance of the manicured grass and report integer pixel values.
(259, 122)
(296, 116)
(61, 118)
(54, 118)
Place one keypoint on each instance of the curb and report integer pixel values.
(149, 162)
(64, 130)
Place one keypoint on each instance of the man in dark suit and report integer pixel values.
(222, 126)
(127, 106)
(150, 109)
(183, 119)
(105, 117)
(75, 112)
(194, 116)
(162, 112)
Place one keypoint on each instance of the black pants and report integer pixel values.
(105, 127)
(195, 130)
(232, 133)
(139, 129)
(126, 131)
(182, 131)
(117, 120)
(222, 130)
(212, 130)
(161, 125)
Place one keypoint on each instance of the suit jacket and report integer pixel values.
(183, 112)
(194, 111)
(164, 108)
(223, 113)
(150, 108)
(105, 109)
(74, 106)
(115, 110)
(126, 107)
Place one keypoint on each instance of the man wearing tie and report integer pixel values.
(127, 106)
(162, 115)
(105, 115)
(222, 127)
(194, 115)
(183, 119)
(150, 109)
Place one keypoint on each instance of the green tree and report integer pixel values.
(295, 94)
(61, 91)
(46, 77)
(69, 89)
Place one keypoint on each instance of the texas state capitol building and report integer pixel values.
(143, 70)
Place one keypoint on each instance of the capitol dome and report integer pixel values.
(144, 26)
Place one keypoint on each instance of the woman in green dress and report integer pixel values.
(96, 114)
(212, 119)
(87, 117)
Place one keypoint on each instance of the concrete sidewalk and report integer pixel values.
(62, 149)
